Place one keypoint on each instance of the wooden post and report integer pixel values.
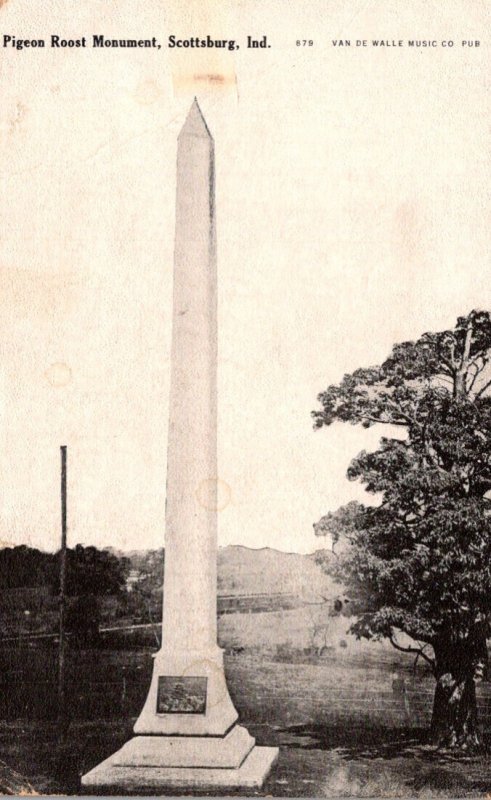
(61, 650)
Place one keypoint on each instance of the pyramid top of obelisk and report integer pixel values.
(195, 124)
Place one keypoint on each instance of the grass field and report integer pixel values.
(341, 727)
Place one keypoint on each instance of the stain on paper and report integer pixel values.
(58, 374)
(407, 231)
(20, 112)
(214, 494)
(199, 80)
(147, 92)
(214, 671)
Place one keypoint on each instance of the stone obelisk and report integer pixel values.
(187, 736)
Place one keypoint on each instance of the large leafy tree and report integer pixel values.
(89, 570)
(418, 562)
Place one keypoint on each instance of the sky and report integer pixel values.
(352, 213)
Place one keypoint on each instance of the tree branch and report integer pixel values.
(473, 379)
(483, 389)
(369, 418)
(450, 370)
(467, 346)
(418, 650)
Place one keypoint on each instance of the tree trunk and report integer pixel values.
(454, 722)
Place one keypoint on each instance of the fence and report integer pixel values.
(114, 685)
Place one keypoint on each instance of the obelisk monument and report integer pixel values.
(187, 734)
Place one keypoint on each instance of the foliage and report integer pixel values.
(83, 617)
(144, 601)
(419, 562)
(89, 570)
(24, 566)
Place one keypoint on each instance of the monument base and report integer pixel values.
(187, 736)
(149, 764)
(196, 675)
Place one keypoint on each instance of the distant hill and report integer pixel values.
(245, 571)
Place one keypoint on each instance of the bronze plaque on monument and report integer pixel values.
(181, 695)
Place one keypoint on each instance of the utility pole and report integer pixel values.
(61, 650)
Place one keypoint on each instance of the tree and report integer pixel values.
(91, 575)
(23, 566)
(83, 619)
(419, 562)
(144, 601)
(91, 571)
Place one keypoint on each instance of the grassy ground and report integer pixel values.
(313, 761)
(342, 729)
